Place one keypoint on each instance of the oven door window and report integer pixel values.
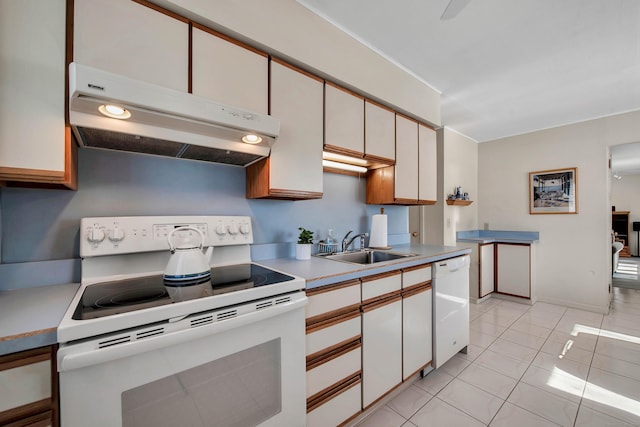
(241, 389)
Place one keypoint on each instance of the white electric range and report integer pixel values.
(130, 355)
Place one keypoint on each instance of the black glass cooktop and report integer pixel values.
(121, 296)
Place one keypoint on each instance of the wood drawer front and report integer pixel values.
(332, 335)
(337, 410)
(374, 287)
(323, 302)
(334, 370)
(27, 384)
(412, 277)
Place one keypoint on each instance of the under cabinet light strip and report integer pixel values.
(343, 166)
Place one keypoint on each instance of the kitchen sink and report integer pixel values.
(367, 256)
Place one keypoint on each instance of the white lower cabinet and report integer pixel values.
(364, 338)
(416, 320)
(381, 335)
(416, 330)
(344, 405)
(332, 298)
(514, 269)
(28, 388)
(333, 369)
(381, 348)
(486, 281)
(334, 354)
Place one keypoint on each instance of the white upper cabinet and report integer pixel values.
(344, 121)
(229, 73)
(406, 169)
(34, 144)
(124, 37)
(380, 131)
(427, 164)
(413, 179)
(293, 170)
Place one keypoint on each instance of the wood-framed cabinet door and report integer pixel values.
(487, 269)
(406, 168)
(29, 388)
(293, 170)
(427, 165)
(343, 121)
(380, 131)
(513, 269)
(128, 38)
(229, 73)
(381, 348)
(416, 330)
(35, 143)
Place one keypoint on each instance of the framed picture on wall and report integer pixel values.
(553, 191)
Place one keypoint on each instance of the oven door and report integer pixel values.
(247, 370)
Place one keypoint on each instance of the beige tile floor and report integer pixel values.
(540, 365)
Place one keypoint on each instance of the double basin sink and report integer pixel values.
(368, 256)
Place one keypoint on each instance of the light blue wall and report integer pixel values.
(39, 225)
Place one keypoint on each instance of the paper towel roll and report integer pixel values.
(378, 235)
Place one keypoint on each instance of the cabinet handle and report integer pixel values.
(396, 296)
(328, 354)
(324, 396)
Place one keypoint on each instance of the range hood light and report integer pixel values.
(251, 139)
(343, 166)
(163, 121)
(344, 159)
(114, 111)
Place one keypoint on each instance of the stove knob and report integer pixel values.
(95, 235)
(220, 230)
(116, 235)
(244, 229)
(233, 228)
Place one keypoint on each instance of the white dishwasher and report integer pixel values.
(450, 308)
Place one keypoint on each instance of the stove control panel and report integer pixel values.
(120, 235)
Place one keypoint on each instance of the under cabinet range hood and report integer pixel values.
(115, 112)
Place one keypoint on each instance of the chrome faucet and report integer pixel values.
(346, 242)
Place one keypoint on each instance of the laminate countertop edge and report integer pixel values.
(29, 318)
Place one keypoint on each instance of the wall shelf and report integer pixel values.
(459, 202)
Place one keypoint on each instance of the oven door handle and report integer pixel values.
(76, 356)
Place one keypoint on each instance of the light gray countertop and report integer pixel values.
(320, 271)
(29, 317)
(498, 236)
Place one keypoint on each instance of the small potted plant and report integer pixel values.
(305, 240)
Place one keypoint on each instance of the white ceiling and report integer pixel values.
(507, 67)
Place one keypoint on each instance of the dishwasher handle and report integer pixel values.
(452, 265)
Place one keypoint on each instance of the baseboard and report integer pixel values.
(573, 304)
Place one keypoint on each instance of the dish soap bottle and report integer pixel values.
(331, 242)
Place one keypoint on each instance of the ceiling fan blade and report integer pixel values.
(453, 9)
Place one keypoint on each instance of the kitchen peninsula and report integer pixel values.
(502, 264)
